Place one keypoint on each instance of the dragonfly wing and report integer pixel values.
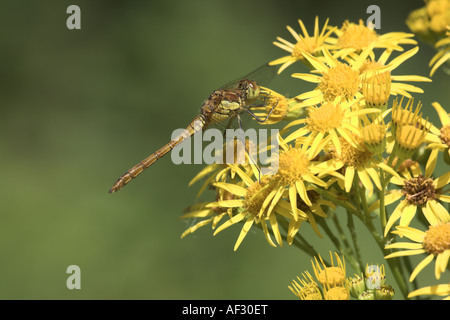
(262, 75)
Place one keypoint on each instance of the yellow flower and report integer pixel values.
(347, 80)
(439, 13)
(332, 278)
(355, 162)
(207, 215)
(439, 139)
(386, 76)
(295, 170)
(337, 79)
(306, 288)
(418, 21)
(304, 210)
(409, 129)
(330, 121)
(305, 43)
(377, 89)
(438, 290)
(275, 109)
(418, 190)
(330, 275)
(443, 54)
(352, 37)
(435, 243)
(257, 202)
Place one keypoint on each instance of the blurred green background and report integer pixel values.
(79, 107)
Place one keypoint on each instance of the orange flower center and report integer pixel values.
(356, 36)
(437, 239)
(339, 81)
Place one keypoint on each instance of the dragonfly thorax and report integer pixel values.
(221, 104)
(249, 88)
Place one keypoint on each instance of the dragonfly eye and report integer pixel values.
(253, 90)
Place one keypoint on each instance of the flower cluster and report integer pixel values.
(333, 285)
(431, 24)
(351, 142)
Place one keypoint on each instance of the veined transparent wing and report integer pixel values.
(262, 75)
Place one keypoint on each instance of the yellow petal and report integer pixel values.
(394, 216)
(232, 188)
(439, 290)
(374, 176)
(443, 115)
(275, 200)
(402, 58)
(442, 180)
(420, 266)
(300, 186)
(439, 211)
(431, 163)
(411, 233)
(237, 218)
(195, 227)
(205, 171)
(349, 175)
(245, 229)
(441, 61)
(404, 253)
(441, 263)
(293, 200)
(404, 245)
(316, 63)
(307, 77)
(267, 234)
(409, 211)
(365, 179)
(275, 229)
(226, 204)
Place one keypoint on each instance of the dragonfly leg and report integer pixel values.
(258, 118)
(247, 149)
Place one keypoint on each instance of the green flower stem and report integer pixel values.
(345, 248)
(394, 264)
(353, 234)
(382, 202)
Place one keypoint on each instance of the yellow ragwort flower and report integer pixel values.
(354, 38)
(355, 162)
(418, 190)
(443, 54)
(408, 128)
(257, 202)
(276, 108)
(386, 79)
(330, 275)
(332, 278)
(330, 121)
(439, 13)
(418, 21)
(305, 210)
(306, 288)
(305, 43)
(435, 243)
(336, 79)
(439, 139)
(295, 171)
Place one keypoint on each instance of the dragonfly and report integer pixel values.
(224, 105)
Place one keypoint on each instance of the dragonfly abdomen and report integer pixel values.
(196, 125)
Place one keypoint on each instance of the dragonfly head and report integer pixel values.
(251, 89)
